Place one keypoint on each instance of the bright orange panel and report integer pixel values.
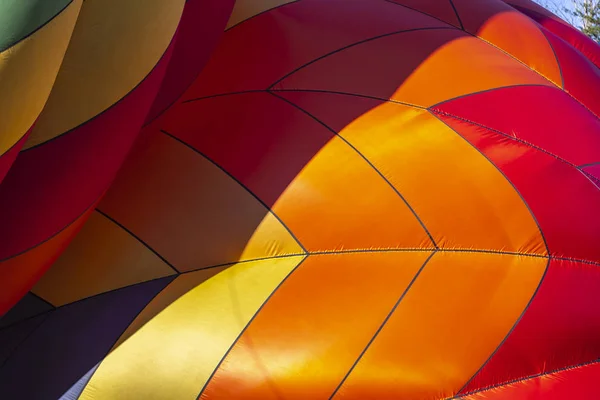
(340, 202)
(425, 68)
(190, 211)
(102, 257)
(457, 312)
(462, 198)
(524, 41)
(308, 335)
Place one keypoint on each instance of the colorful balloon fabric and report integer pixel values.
(310, 199)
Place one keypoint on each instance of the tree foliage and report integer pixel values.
(584, 14)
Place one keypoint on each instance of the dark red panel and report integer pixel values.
(564, 201)
(50, 185)
(285, 40)
(258, 138)
(560, 328)
(575, 38)
(441, 9)
(7, 159)
(570, 131)
(581, 77)
(474, 14)
(578, 383)
(200, 27)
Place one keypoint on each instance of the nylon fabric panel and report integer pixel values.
(456, 313)
(580, 382)
(426, 161)
(212, 312)
(330, 206)
(567, 216)
(249, 56)
(246, 9)
(441, 9)
(192, 212)
(71, 172)
(128, 39)
(29, 306)
(102, 257)
(302, 343)
(19, 273)
(558, 330)
(569, 131)
(28, 71)
(427, 66)
(8, 158)
(200, 19)
(594, 171)
(581, 76)
(524, 41)
(21, 18)
(257, 138)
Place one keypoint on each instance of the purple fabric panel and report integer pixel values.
(11, 337)
(71, 341)
(27, 307)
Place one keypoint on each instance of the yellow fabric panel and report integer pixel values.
(427, 161)
(102, 257)
(182, 345)
(27, 73)
(180, 286)
(115, 44)
(451, 320)
(201, 217)
(246, 9)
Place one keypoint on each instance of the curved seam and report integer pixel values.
(363, 41)
(529, 377)
(231, 264)
(16, 348)
(268, 209)
(518, 85)
(509, 333)
(142, 308)
(137, 238)
(507, 180)
(52, 236)
(52, 17)
(42, 299)
(380, 328)
(424, 13)
(367, 161)
(589, 165)
(562, 77)
(457, 15)
(260, 13)
(517, 139)
(116, 103)
(14, 145)
(203, 388)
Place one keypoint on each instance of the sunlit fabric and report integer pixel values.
(309, 199)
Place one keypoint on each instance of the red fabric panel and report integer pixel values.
(333, 25)
(560, 328)
(594, 170)
(543, 116)
(574, 37)
(7, 159)
(201, 26)
(581, 77)
(69, 173)
(577, 383)
(474, 14)
(436, 8)
(260, 139)
(563, 200)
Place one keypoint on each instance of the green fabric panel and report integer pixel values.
(20, 18)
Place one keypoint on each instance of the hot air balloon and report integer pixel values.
(310, 199)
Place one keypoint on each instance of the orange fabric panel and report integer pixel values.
(461, 197)
(340, 202)
(426, 67)
(22, 271)
(455, 315)
(313, 328)
(524, 41)
(188, 210)
(102, 257)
